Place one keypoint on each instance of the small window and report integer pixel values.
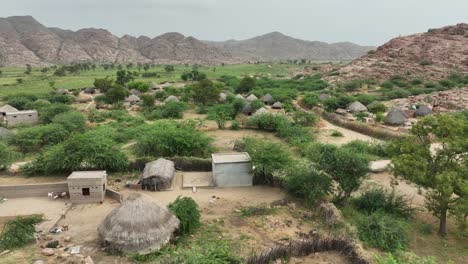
(14, 116)
(85, 191)
(29, 115)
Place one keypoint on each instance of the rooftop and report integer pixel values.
(230, 157)
(87, 175)
(25, 112)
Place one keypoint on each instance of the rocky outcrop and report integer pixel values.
(431, 55)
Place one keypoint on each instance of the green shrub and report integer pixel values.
(268, 121)
(305, 182)
(19, 102)
(387, 85)
(60, 98)
(256, 210)
(310, 100)
(426, 229)
(235, 125)
(336, 133)
(32, 139)
(87, 151)
(169, 139)
(379, 117)
(139, 85)
(366, 148)
(48, 113)
(170, 110)
(361, 116)
(377, 199)
(186, 210)
(376, 107)
(8, 154)
(425, 62)
(383, 232)
(405, 258)
(72, 121)
(19, 232)
(303, 118)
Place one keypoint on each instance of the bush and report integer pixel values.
(404, 258)
(169, 139)
(336, 133)
(116, 94)
(268, 121)
(310, 100)
(138, 85)
(88, 151)
(103, 84)
(256, 211)
(376, 107)
(48, 113)
(383, 232)
(170, 110)
(19, 232)
(235, 125)
(303, 118)
(246, 85)
(377, 199)
(8, 154)
(35, 138)
(308, 183)
(369, 149)
(72, 121)
(186, 209)
(379, 117)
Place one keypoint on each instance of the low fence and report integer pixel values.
(32, 190)
(114, 195)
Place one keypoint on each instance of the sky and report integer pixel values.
(365, 22)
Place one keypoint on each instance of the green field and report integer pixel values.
(38, 82)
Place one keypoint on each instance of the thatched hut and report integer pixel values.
(423, 110)
(261, 111)
(356, 107)
(90, 90)
(251, 98)
(396, 117)
(62, 91)
(248, 109)
(222, 97)
(158, 175)
(277, 105)
(240, 96)
(135, 92)
(268, 99)
(139, 225)
(133, 99)
(172, 98)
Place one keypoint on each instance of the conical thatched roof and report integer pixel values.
(139, 225)
(4, 132)
(268, 99)
(62, 91)
(222, 97)
(171, 98)
(133, 99)
(8, 109)
(248, 109)
(261, 111)
(396, 117)
(251, 98)
(356, 107)
(160, 172)
(423, 110)
(240, 96)
(277, 105)
(135, 92)
(90, 90)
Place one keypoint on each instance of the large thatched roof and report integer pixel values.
(261, 111)
(8, 109)
(171, 98)
(135, 92)
(133, 99)
(268, 99)
(396, 117)
(251, 98)
(356, 107)
(277, 105)
(423, 110)
(160, 172)
(248, 109)
(139, 225)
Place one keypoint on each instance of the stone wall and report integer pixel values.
(32, 190)
(21, 118)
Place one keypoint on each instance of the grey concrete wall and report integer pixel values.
(232, 174)
(96, 194)
(32, 190)
(16, 119)
(114, 195)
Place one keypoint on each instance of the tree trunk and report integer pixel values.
(443, 224)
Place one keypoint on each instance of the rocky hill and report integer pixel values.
(23, 40)
(432, 55)
(279, 47)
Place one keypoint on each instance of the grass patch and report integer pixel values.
(19, 232)
(336, 133)
(256, 211)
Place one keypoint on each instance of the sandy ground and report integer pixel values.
(224, 139)
(17, 179)
(52, 210)
(321, 258)
(326, 129)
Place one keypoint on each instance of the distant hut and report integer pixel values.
(261, 111)
(324, 97)
(4, 132)
(268, 99)
(277, 105)
(251, 98)
(240, 96)
(356, 107)
(135, 92)
(90, 90)
(423, 110)
(84, 98)
(158, 175)
(222, 97)
(396, 117)
(133, 99)
(172, 98)
(248, 109)
(62, 91)
(139, 225)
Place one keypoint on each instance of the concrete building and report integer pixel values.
(14, 119)
(232, 169)
(87, 186)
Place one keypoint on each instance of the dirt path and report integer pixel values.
(326, 129)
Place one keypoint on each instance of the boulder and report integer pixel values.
(379, 166)
(48, 252)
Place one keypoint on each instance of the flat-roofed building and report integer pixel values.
(26, 117)
(232, 169)
(87, 186)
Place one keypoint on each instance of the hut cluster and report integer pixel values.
(268, 101)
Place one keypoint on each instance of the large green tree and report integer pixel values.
(246, 85)
(435, 157)
(205, 92)
(8, 155)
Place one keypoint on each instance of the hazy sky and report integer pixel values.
(367, 22)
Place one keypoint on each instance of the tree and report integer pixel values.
(246, 85)
(148, 100)
(169, 68)
(186, 210)
(443, 171)
(220, 114)
(103, 84)
(146, 66)
(124, 77)
(205, 92)
(116, 94)
(8, 154)
(28, 69)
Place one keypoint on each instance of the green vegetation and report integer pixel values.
(8, 154)
(19, 232)
(186, 210)
(256, 210)
(336, 133)
(378, 199)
